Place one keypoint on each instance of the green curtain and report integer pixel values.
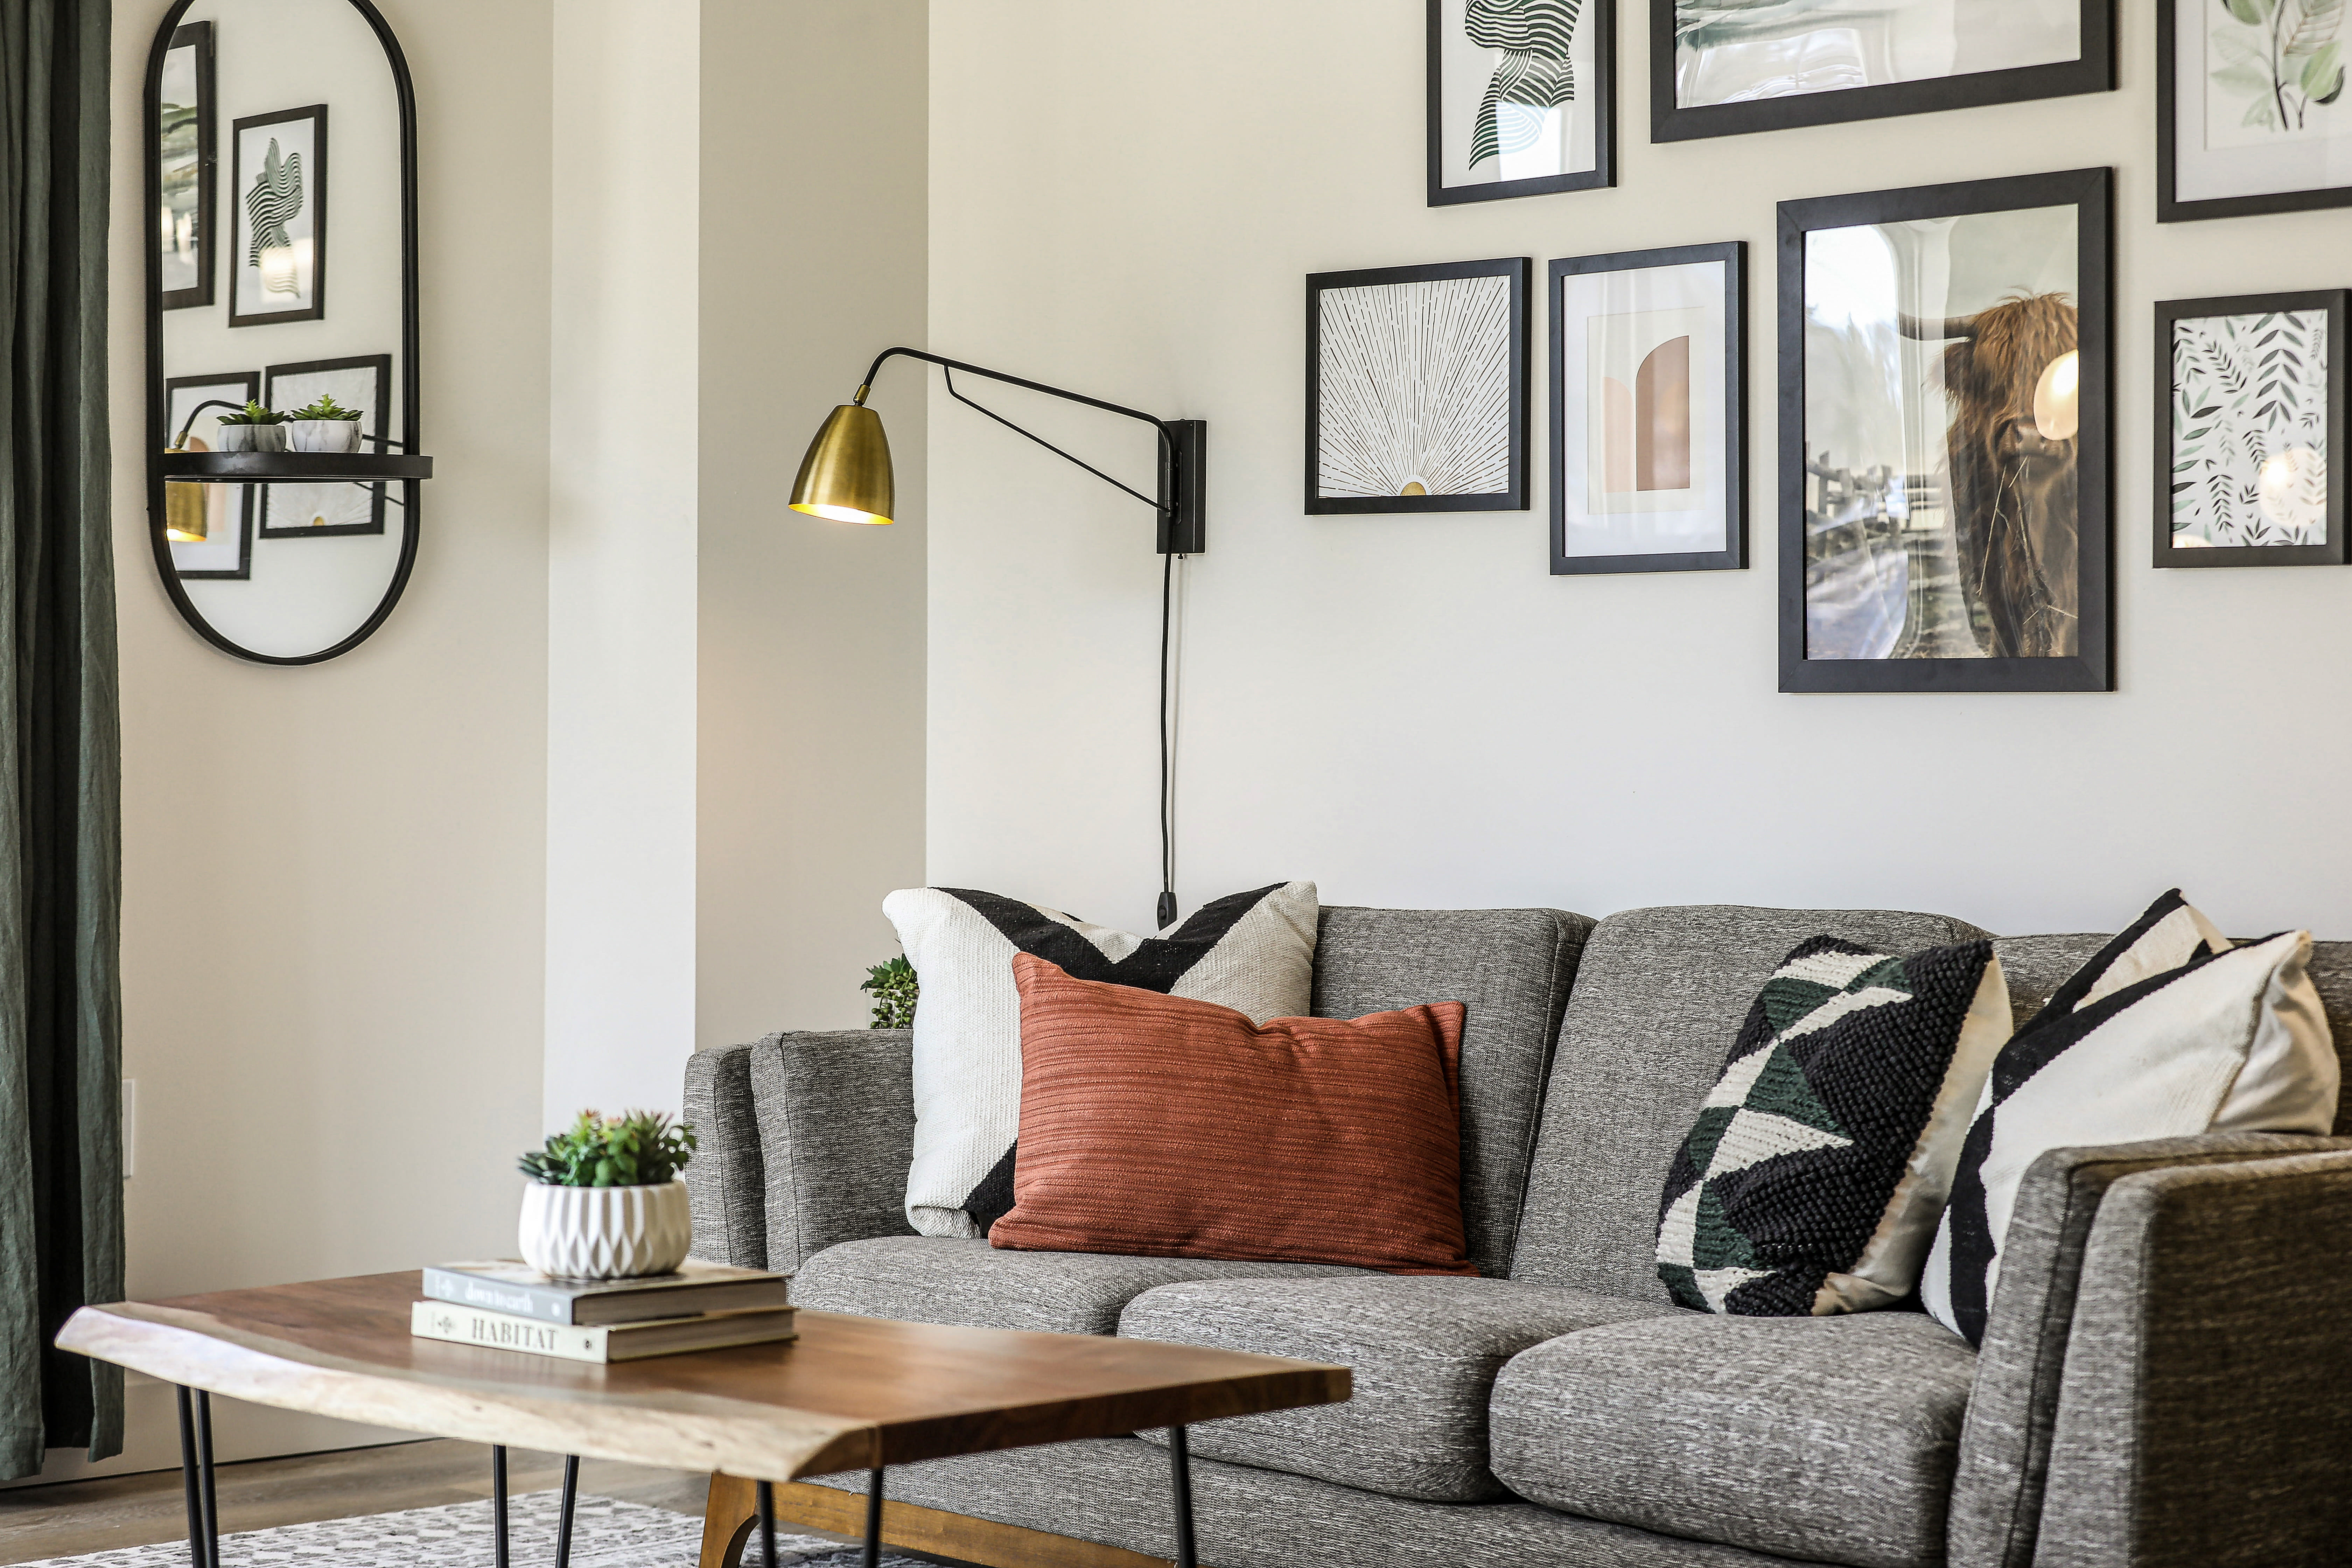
(60, 872)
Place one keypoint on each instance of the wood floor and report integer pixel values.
(75, 1517)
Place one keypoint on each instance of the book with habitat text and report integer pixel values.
(523, 1291)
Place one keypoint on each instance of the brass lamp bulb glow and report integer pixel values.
(847, 475)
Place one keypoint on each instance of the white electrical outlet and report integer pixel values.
(130, 1128)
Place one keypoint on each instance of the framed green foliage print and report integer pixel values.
(2252, 415)
(2251, 108)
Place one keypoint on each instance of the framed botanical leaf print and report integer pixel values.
(2252, 114)
(2251, 418)
(1720, 67)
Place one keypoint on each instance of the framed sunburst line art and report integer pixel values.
(1417, 388)
(2251, 419)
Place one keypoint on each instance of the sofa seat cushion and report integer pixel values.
(1425, 1351)
(1831, 1439)
(969, 1284)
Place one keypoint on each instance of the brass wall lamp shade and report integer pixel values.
(845, 476)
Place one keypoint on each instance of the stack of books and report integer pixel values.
(511, 1306)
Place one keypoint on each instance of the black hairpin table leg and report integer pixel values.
(766, 1492)
(1179, 1468)
(564, 1519)
(195, 1480)
(498, 1504)
(874, 1517)
(204, 1477)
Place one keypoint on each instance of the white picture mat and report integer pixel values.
(1571, 144)
(294, 137)
(1854, 43)
(224, 546)
(1669, 522)
(2215, 161)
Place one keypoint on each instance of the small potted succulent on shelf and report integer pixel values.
(325, 425)
(252, 428)
(604, 1201)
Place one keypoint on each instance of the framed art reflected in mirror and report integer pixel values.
(1648, 416)
(1945, 438)
(2249, 415)
(1724, 67)
(2252, 114)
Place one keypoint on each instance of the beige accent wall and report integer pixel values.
(810, 777)
(1126, 198)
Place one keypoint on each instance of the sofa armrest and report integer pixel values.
(725, 1186)
(2202, 1420)
(2004, 1464)
(836, 1124)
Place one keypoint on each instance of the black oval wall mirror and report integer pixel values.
(284, 462)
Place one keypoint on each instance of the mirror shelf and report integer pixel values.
(292, 467)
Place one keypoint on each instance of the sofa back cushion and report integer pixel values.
(1511, 970)
(1659, 997)
(2038, 965)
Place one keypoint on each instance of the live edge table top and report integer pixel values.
(851, 1394)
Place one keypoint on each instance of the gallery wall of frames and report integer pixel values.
(1945, 368)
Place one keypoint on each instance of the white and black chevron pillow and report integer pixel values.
(2170, 1031)
(1254, 952)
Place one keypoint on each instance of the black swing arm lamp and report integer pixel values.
(846, 476)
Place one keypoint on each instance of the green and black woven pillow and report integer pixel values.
(1813, 1179)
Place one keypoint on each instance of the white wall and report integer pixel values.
(333, 877)
(810, 770)
(1124, 199)
(620, 556)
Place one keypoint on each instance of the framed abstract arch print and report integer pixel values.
(1522, 98)
(1648, 421)
(1946, 443)
(1417, 388)
(1722, 68)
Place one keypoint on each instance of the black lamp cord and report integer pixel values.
(1167, 798)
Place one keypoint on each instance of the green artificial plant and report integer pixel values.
(894, 988)
(325, 408)
(636, 1149)
(254, 414)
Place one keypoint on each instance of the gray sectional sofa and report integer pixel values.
(2165, 1379)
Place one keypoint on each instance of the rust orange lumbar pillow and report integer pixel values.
(1170, 1128)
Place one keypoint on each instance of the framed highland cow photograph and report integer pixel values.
(1945, 440)
(1522, 98)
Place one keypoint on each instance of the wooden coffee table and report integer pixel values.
(851, 1394)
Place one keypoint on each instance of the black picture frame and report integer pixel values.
(1520, 271)
(2169, 207)
(1601, 17)
(197, 36)
(248, 388)
(314, 181)
(2094, 71)
(2091, 192)
(377, 411)
(2337, 305)
(1733, 557)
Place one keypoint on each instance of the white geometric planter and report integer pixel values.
(604, 1233)
(322, 435)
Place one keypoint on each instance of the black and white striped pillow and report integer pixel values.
(2170, 1031)
(1254, 952)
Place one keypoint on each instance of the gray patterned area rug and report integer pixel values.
(605, 1533)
